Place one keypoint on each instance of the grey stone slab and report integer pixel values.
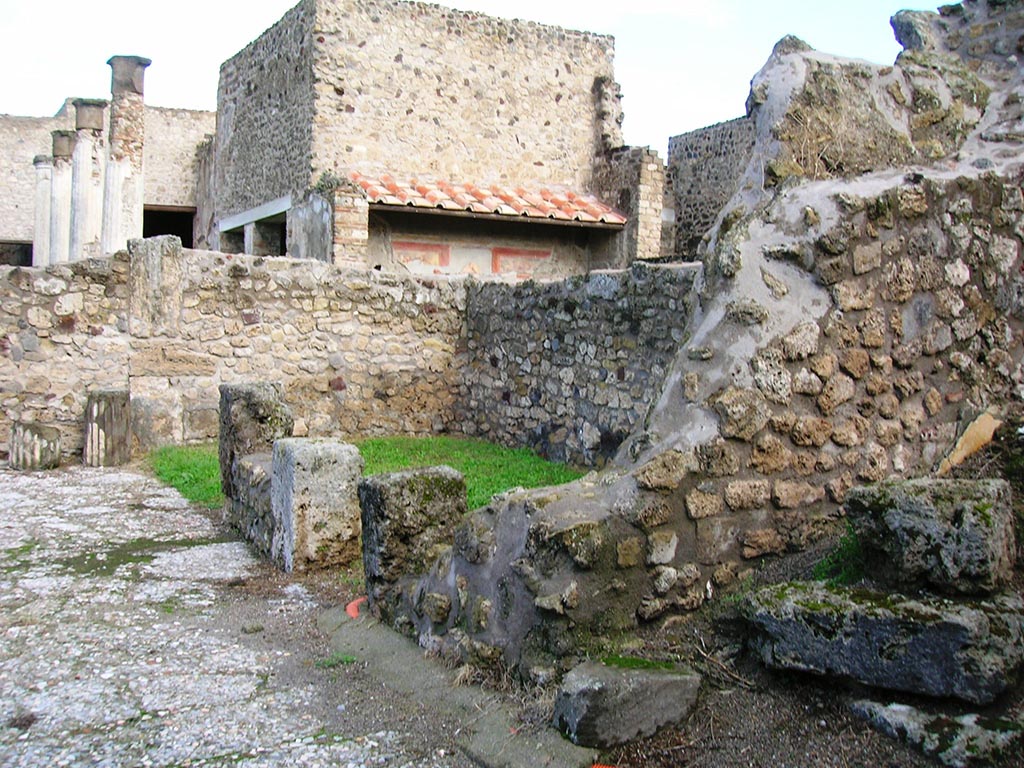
(970, 650)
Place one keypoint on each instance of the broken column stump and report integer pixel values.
(315, 503)
(33, 446)
(108, 429)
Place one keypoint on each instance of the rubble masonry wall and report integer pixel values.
(569, 367)
(703, 171)
(421, 89)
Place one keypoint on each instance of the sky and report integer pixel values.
(682, 64)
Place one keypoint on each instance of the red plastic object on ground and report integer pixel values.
(352, 609)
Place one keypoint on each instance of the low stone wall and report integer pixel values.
(294, 499)
(355, 352)
(63, 332)
(568, 368)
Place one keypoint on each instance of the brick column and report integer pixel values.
(633, 180)
(41, 231)
(60, 197)
(123, 188)
(87, 164)
(351, 234)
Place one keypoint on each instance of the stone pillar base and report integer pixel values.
(108, 429)
(34, 446)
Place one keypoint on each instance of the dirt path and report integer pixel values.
(134, 632)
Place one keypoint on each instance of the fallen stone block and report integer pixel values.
(960, 741)
(971, 650)
(953, 535)
(603, 706)
(315, 503)
(252, 417)
(33, 446)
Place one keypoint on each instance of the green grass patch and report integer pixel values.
(193, 469)
(844, 565)
(336, 660)
(635, 662)
(488, 468)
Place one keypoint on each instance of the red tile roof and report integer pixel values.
(557, 204)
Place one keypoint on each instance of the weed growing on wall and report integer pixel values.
(844, 565)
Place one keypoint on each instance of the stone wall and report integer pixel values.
(569, 368)
(63, 331)
(265, 116)
(704, 170)
(170, 154)
(421, 89)
(21, 139)
(355, 352)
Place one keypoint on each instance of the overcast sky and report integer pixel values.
(682, 64)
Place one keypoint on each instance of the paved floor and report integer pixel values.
(133, 633)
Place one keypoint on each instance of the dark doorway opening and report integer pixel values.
(16, 254)
(164, 221)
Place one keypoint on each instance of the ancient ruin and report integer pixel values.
(838, 303)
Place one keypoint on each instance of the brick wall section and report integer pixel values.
(170, 154)
(21, 139)
(350, 230)
(265, 113)
(417, 88)
(632, 180)
(704, 169)
(568, 368)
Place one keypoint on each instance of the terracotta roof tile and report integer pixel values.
(557, 204)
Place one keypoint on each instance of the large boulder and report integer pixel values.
(952, 535)
(602, 706)
(971, 650)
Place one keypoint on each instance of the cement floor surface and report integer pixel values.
(133, 631)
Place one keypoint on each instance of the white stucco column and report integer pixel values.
(60, 197)
(87, 164)
(123, 184)
(41, 228)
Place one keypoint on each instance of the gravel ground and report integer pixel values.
(134, 632)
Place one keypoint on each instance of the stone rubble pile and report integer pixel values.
(963, 638)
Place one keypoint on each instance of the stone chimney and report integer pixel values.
(87, 166)
(123, 187)
(60, 197)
